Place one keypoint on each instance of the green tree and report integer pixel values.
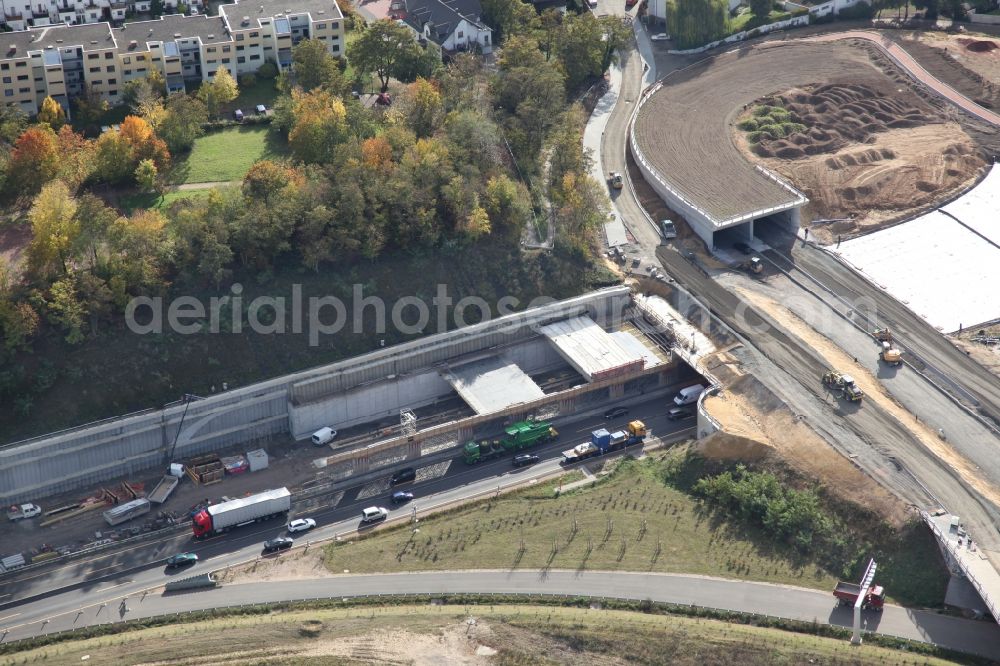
(181, 122)
(379, 48)
(507, 204)
(114, 158)
(218, 92)
(13, 121)
(421, 62)
(507, 17)
(320, 124)
(697, 22)
(146, 174)
(143, 97)
(617, 35)
(66, 310)
(423, 107)
(19, 323)
(761, 8)
(314, 67)
(54, 229)
(90, 106)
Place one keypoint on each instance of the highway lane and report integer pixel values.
(762, 598)
(134, 565)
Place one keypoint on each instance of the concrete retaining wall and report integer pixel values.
(84, 457)
(990, 19)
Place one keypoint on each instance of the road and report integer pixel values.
(760, 598)
(140, 566)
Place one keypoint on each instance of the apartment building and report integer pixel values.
(24, 14)
(59, 61)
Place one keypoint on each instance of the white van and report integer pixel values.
(323, 436)
(688, 395)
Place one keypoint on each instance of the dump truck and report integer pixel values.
(615, 180)
(838, 381)
(602, 441)
(163, 489)
(517, 436)
(890, 355)
(847, 595)
(222, 517)
(126, 511)
(23, 512)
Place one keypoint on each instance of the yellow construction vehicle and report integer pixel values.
(838, 381)
(883, 334)
(890, 355)
(615, 180)
(753, 265)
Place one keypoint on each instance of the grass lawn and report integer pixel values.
(746, 20)
(133, 202)
(632, 521)
(521, 634)
(227, 154)
(262, 92)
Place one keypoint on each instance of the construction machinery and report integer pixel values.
(883, 334)
(615, 180)
(753, 265)
(838, 381)
(517, 436)
(890, 355)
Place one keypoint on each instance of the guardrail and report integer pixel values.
(992, 604)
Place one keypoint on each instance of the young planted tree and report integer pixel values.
(51, 112)
(218, 92)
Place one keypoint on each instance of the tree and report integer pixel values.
(181, 122)
(320, 124)
(66, 310)
(266, 179)
(146, 174)
(219, 91)
(34, 160)
(697, 22)
(13, 121)
(90, 106)
(507, 204)
(617, 35)
(156, 8)
(507, 17)
(144, 97)
(52, 113)
(580, 47)
(423, 108)
(54, 230)
(761, 8)
(144, 143)
(379, 48)
(930, 8)
(420, 62)
(19, 323)
(113, 161)
(313, 67)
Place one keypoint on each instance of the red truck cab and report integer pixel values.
(847, 594)
(201, 524)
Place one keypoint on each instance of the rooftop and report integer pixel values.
(211, 29)
(492, 384)
(443, 15)
(591, 350)
(89, 36)
(256, 9)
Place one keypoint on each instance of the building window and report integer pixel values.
(127, 72)
(268, 48)
(97, 82)
(112, 92)
(212, 61)
(8, 93)
(95, 69)
(127, 60)
(255, 57)
(109, 55)
(254, 35)
(22, 77)
(93, 56)
(112, 82)
(5, 66)
(21, 64)
(210, 49)
(6, 79)
(226, 61)
(111, 68)
(27, 90)
(239, 48)
(239, 37)
(226, 49)
(321, 26)
(241, 60)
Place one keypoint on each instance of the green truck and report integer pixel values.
(517, 436)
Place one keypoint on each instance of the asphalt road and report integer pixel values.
(762, 598)
(141, 566)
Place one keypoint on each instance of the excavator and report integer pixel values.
(753, 265)
(890, 355)
(838, 381)
(883, 334)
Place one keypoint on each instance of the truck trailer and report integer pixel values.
(847, 595)
(517, 436)
(222, 517)
(163, 489)
(602, 441)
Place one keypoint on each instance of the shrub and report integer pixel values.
(268, 70)
(773, 130)
(779, 115)
(248, 80)
(748, 125)
(792, 128)
(756, 137)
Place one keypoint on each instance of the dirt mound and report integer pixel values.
(981, 46)
(831, 116)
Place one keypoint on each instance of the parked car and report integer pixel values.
(278, 543)
(662, 37)
(401, 497)
(238, 115)
(743, 247)
(615, 412)
(374, 514)
(405, 475)
(668, 229)
(181, 560)
(680, 413)
(525, 459)
(301, 525)
(261, 109)
(323, 436)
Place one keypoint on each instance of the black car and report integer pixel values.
(401, 497)
(524, 459)
(743, 247)
(405, 475)
(615, 412)
(279, 543)
(679, 413)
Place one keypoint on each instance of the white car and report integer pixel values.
(662, 37)
(301, 525)
(373, 514)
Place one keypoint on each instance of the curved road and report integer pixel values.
(761, 598)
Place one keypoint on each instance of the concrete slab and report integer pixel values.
(978, 208)
(492, 384)
(936, 266)
(615, 233)
(692, 344)
(634, 346)
(590, 349)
